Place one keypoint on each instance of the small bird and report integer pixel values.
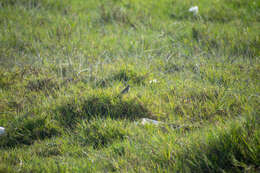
(126, 90)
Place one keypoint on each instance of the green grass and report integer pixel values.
(64, 64)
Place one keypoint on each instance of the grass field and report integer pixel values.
(64, 63)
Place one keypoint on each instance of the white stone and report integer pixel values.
(149, 121)
(2, 130)
(153, 81)
(194, 9)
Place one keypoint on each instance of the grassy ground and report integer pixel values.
(63, 64)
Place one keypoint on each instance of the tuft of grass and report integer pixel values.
(42, 84)
(232, 149)
(101, 133)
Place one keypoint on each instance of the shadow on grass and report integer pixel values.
(25, 130)
(101, 106)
